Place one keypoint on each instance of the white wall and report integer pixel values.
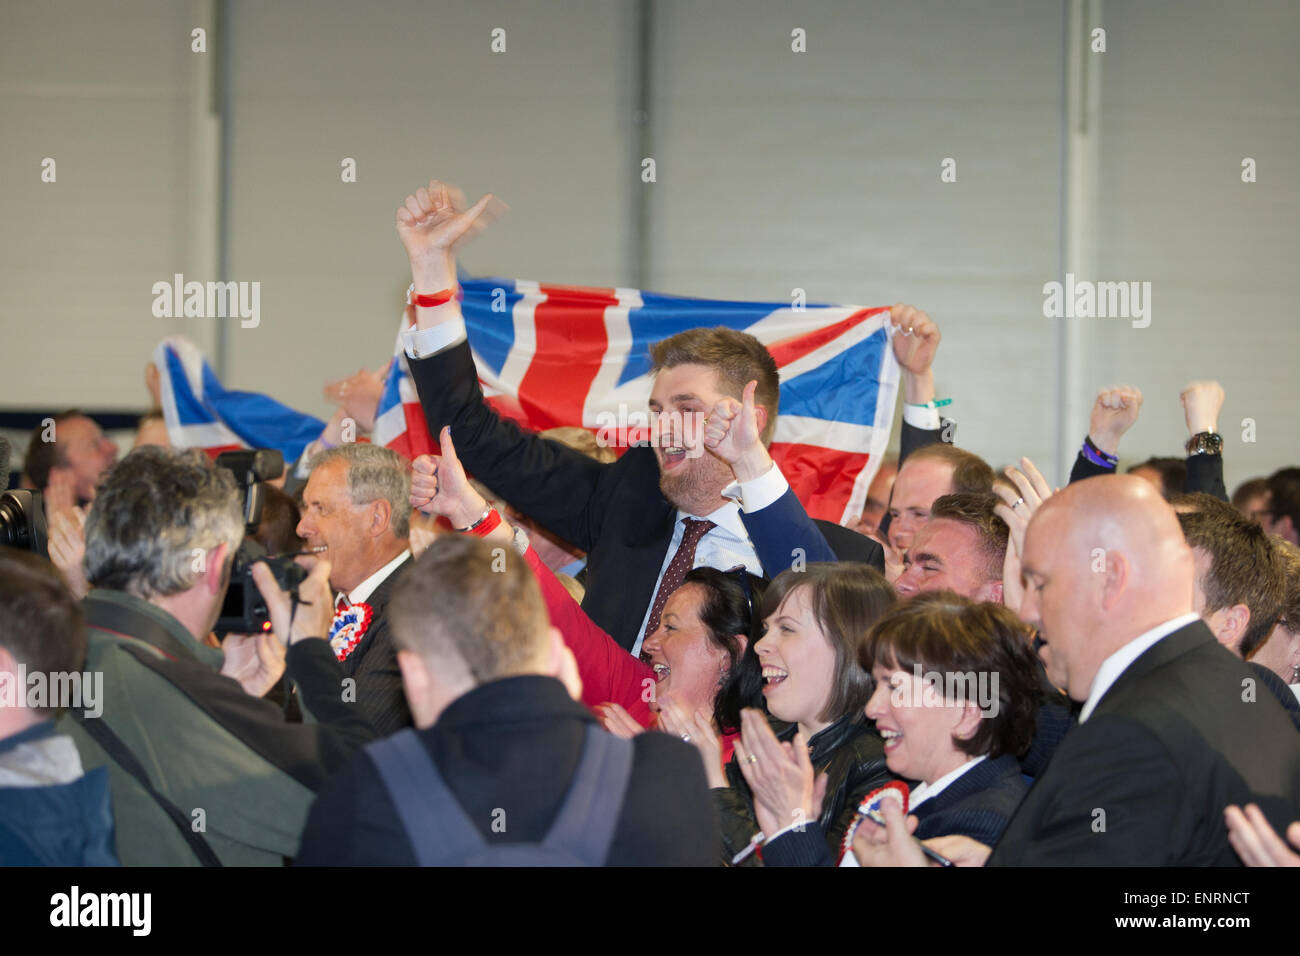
(821, 170)
(411, 90)
(1188, 90)
(105, 90)
(776, 170)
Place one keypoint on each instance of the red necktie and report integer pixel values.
(682, 562)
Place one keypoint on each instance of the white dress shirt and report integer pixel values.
(919, 416)
(422, 343)
(1115, 665)
(727, 544)
(928, 791)
(368, 586)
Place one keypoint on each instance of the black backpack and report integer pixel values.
(442, 834)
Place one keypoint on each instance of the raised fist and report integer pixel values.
(1113, 413)
(1202, 402)
(916, 339)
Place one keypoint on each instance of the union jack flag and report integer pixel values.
(551, 355)
(202, 413)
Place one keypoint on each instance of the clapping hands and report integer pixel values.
(780, 775)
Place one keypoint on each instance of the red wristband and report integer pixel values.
(430, 301)
(486, 526)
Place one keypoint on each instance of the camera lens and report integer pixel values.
(22, 521)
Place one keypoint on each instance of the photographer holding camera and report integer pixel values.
(202, 770)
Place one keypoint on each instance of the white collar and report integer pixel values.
(726, 517)
(1115, 665)
(368, 586)
(928, 791)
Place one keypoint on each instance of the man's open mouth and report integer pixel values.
(673, 456)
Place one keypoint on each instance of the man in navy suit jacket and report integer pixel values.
(628, 516)
(1169, 733)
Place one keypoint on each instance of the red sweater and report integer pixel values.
(609, 673)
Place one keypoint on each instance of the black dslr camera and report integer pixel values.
(22, 513)
(244, 610)
(22, 521)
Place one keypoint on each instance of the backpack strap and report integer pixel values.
(118, 751)
(585, 824)
(138, 627)
(439, 829)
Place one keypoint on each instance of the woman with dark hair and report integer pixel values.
(726, 610)
(816, 620)
(956, 700)
(701, 659)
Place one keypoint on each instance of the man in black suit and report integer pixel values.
(492, 687)
(357, 505)
(1168, 734)
(634, 516)
(1240, 583)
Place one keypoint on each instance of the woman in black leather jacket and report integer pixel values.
(816, 619)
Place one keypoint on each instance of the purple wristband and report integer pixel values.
(1097, 456)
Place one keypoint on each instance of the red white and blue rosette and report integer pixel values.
(869, 808)
(349, 627)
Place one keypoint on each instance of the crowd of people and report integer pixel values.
(528, 650)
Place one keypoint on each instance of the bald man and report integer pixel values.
(1173, 728)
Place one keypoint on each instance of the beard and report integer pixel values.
(696, 486)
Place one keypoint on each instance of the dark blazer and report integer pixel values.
(1056, 715)
(1280, 690)
(508, 750)
(1145, 779)
(978, 804)
(373, 665)
(615, 512)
